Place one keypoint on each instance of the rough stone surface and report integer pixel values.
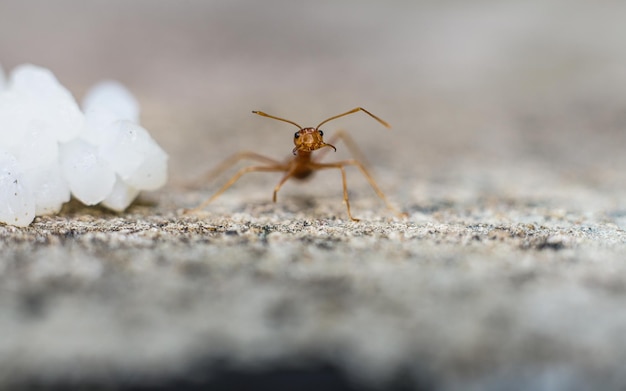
(506, 153)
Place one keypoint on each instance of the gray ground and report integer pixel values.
(506, 152)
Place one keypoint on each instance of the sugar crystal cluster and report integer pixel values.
(52, 149)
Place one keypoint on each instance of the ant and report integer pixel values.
(302, 166)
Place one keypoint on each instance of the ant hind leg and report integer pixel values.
(232, 180)
(230, 162)
(352, 146)
(370, 179)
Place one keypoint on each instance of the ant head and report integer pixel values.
(308, 140)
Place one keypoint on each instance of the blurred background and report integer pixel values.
(519, 101)
(535, 85)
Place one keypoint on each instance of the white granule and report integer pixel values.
(51, 149)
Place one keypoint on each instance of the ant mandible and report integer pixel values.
(302, 166)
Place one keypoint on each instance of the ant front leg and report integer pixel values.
(284, 179)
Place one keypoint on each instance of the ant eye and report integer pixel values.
(321, 133)
(296, 135)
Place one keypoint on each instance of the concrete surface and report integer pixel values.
(506, 152)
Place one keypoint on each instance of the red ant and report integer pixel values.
(302, 165)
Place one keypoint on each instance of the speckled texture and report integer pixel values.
(506, 153)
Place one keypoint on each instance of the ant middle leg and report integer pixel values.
(290, 172)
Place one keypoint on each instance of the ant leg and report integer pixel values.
(345, 192)
(280, 184)
(234, 179)
(374, 185)
(231, 161)
(340, 166)
(366, 174)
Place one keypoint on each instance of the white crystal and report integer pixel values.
(97, 126)
(49, 148)
(121, 196)
(37, 149)
(49, 188)
(135, 156)
(152, 173)
(113, 97)
(49, 105)
(17, 202)
(14, 119)
(90, 178)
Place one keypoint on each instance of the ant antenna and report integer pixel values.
(280, 119)
(385, 124)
